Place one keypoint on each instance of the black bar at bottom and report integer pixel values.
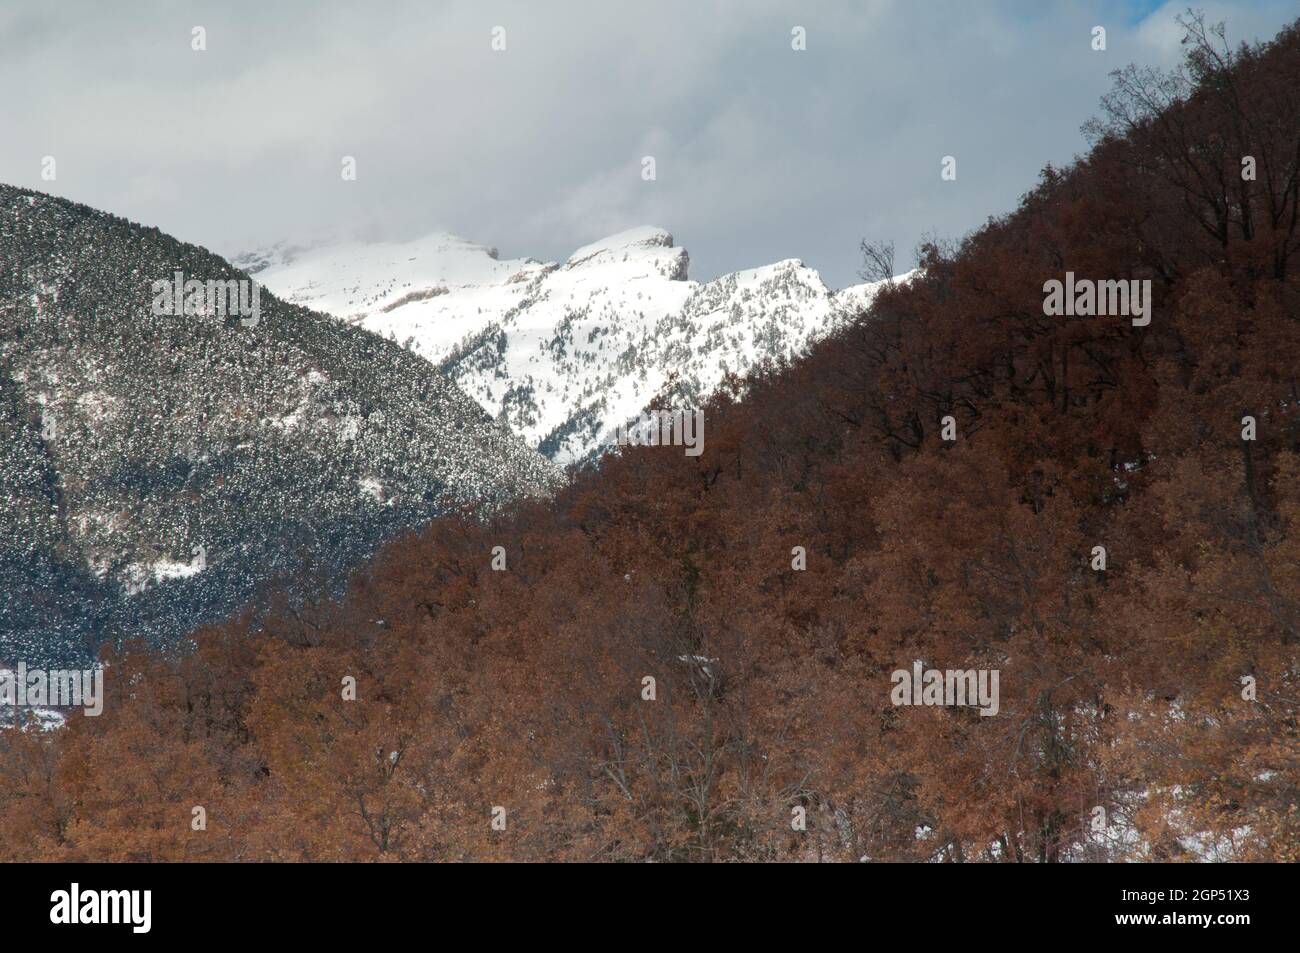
(1214, 904)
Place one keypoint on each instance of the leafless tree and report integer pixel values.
(877, 260)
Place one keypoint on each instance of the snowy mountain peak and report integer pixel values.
(563, 353)
(645, 236)
(646, 250)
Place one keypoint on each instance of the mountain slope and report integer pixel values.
(156, 469)
(565, 352)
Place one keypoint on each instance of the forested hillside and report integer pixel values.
(1148, 709)
(157, 471)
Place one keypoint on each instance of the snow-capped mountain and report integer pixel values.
(157, 470)
(564, 352)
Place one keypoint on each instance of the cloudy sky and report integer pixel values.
(761, 152)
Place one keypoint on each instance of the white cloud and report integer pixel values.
(763, 153)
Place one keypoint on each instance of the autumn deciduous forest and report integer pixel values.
(1148, 709)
